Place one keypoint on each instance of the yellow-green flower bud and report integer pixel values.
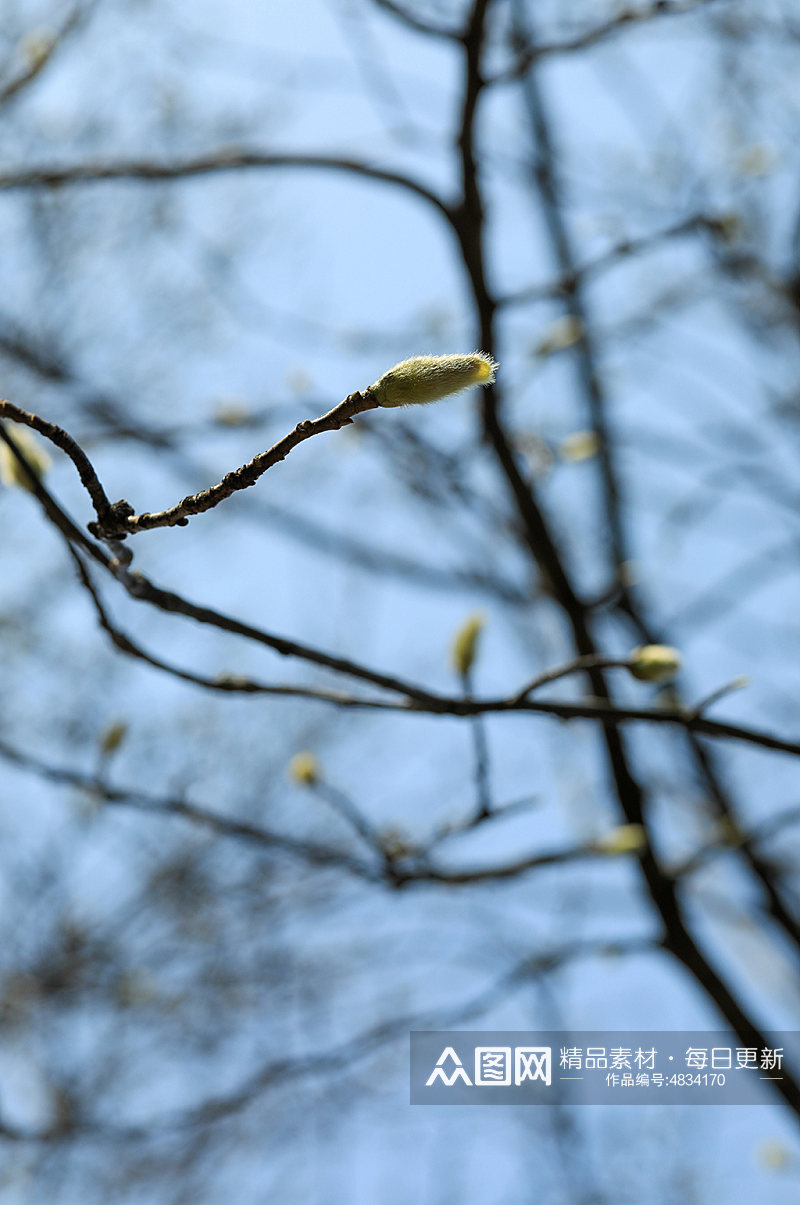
(655, 663)
(304, 769)
(626, 839)
(11, 471)
(465, 643)
(427, 378)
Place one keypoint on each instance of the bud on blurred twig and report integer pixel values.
(304, 769)
(465, 643)
(655, 663)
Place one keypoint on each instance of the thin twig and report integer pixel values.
(596, 34)
(59, 437)
(576, 665)
(246, 476)
(222, 160)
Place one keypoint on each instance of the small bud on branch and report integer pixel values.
(465, 643)
(304, 769)
(655, 663)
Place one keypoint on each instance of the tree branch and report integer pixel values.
(597, 33)
(223, 160)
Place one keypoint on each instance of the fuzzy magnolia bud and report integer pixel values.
(11, 471)
(655, 663)
(428, 378)
(465, 643)
(304, 769)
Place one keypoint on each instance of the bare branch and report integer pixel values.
(625, 249)
(45, 53)
(417, 699)
(598, 33)
(418, 24)
(168, 807)
(66, 443)
(345, 1056)
(576, 666)
(248, 474)
(223, 160)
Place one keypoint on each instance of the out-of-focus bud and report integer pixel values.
(395, 843)
(112, 737)
(536, 451)
(728, 832)
(231, 412)
(773, 1155)
(37, 46)
(298, 381)
(629, 573)
(304, 769)
(425, 379)
(465, 643)
(626, 839)
(11, 471)
(581, 445)
(654, 663)
(756, 160)
(232, 681)
(561, 334)
(729, 226)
